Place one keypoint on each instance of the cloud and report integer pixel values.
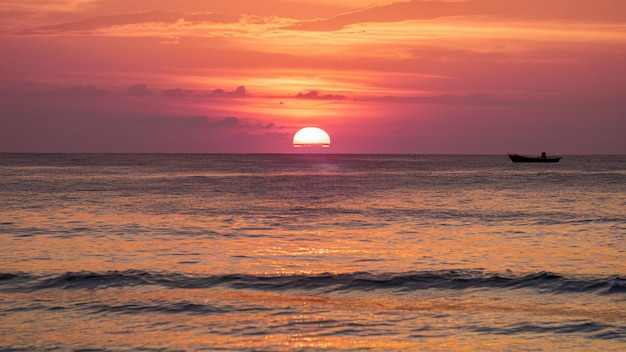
(162, 17)
(178, 93)
(76, 92)
(283, 8)
(239, 92)
(230, 122)
(226, 122)
(446, 99)
(138, 90)
(394, 12)
(135, 90)
(598, 10)
(203, 121)
(38, 121)
(315, 95)
(98, 22)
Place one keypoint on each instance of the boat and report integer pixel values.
(516, 158)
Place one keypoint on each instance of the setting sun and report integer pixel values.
(311, 136)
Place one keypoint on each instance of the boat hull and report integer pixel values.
(516, 158)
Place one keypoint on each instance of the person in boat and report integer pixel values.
(543, 155)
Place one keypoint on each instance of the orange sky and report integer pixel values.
(474, 76)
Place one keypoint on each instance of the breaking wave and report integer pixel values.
(542, 282)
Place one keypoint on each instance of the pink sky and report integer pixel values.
(474, 76)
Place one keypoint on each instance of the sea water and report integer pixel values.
(161, 252)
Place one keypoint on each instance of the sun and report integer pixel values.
(311, 137)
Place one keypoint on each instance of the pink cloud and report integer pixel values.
(314, 94)
(597, 10)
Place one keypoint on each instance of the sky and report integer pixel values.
(243, 76)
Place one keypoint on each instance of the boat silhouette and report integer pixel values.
(516, 158)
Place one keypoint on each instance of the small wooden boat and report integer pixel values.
(516, 158)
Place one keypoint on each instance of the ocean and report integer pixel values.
(309, 252)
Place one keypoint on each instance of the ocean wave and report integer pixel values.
(183, 307)
(592, 329)
(543, 282)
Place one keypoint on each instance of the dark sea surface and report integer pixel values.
(308, 252)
